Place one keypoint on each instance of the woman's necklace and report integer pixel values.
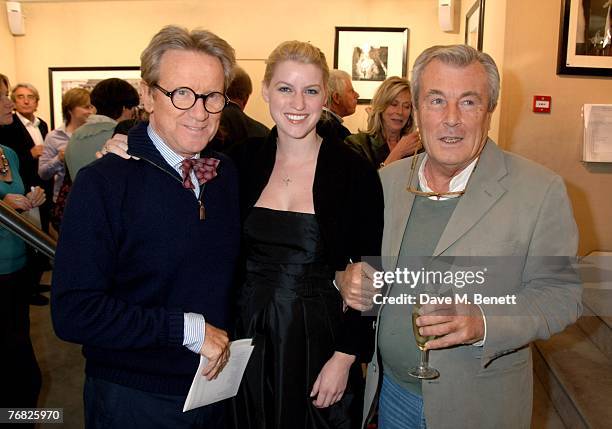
(285, 178)
(4, 164)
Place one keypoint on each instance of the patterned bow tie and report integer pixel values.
(205, 169)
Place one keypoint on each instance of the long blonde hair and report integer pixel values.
(384, 96)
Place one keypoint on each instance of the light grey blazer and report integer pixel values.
(514, 208)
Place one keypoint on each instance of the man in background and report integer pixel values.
(236, 125)
(27, 132)
(342, 102)
(115, 100)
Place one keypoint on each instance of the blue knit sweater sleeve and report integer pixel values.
(84, 309)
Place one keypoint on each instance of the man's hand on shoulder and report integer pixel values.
(216, 350)
(118, 145)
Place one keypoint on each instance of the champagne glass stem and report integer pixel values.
(423, 370)
(424, 363)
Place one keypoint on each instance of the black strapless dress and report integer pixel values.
(292, 310)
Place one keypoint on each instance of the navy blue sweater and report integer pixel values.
(133, 256)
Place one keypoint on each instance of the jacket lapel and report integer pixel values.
(401, 208)
(25, 135)
(482, 191)
(260, 167)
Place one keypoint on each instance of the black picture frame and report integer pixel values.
(573, 63)
(387, 55)
(61, 79)
(476, 15)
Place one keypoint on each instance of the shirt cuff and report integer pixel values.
(56, 164)
(194, 332)
(484, 338)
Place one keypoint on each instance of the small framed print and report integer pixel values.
(474, 25)
(370, 55)
(61, 79)
(585, 38)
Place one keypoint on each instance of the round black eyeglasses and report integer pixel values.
(184, 98)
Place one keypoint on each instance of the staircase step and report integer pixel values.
(597, 329)
(599, 301)
(544, 415)
(578, 378)
(595, 271)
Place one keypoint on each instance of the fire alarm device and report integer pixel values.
(541, 103)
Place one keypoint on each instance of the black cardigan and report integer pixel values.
(348, 204)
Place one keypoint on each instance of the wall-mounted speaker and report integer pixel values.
(16, 21)
(446, 14)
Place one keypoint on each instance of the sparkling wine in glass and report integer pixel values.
(422, 370)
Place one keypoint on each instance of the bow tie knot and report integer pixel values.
(205, 169)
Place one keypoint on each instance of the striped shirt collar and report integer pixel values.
(172, 158)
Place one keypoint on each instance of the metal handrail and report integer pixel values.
(26, 230)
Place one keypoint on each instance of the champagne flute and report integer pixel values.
(422, 370)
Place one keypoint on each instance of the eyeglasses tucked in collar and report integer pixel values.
(438, 195)
(184, 98)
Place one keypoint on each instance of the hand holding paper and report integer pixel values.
(216, 351)
(204, 392)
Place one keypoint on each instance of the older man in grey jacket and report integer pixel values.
(465, 202)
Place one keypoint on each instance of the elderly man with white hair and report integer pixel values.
(342, 102)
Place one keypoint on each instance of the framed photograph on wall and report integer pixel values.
(61, 79)
(474, 25)
(585, 38)
(370, 55)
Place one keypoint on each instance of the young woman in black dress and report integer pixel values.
(310, 205)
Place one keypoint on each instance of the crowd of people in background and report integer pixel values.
(204, 225)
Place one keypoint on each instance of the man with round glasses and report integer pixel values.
(184, 98)
(148, 246)
(467, 205)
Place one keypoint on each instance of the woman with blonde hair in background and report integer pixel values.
(391, 133)
(305, 200)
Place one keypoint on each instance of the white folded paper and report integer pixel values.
(204, 392)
